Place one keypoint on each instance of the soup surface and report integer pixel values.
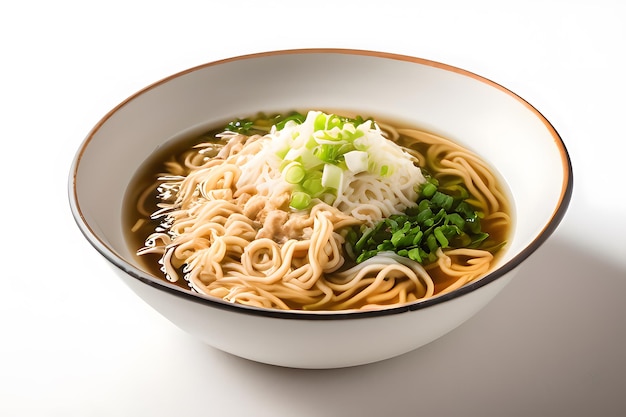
(317, 211)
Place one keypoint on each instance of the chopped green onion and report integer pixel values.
(356, 161)
(441, 238)
(300, 200)
(313, 186)
(296, 117)
(456, 219)
(414, 254)
(316, 150)
(242, 126)
(442, 200)
(294, 173)
(429, 189)
(438, 220)
(332, 176)
(263, 123)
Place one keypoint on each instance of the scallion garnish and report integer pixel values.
(439, 220)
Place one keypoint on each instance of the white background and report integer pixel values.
(76, 342)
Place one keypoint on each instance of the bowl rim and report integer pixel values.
(160, 284)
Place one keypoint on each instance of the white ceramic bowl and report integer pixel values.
(503, 128)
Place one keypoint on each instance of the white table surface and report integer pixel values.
(76, 342)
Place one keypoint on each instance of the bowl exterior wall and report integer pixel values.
(315, 344)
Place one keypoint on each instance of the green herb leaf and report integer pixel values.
(240, 126)
(439, 220)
